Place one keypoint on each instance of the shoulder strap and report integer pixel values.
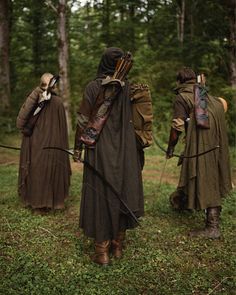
(100, 113)
(29, 127)
(110, 88)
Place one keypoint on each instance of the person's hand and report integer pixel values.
(169, 152)
(173, 139)
(77, 155)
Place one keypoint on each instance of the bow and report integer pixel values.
(186, 157)
(101, 177)
(92, 168)
(9, 147)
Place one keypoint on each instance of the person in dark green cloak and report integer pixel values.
(204, 180)
(116, 158)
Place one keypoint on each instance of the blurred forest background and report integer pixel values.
(68, 37)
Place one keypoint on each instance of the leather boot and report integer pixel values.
(212, 229)
(117, 245)
(102, 253)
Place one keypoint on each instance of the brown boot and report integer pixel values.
(102, 253)
(212, 230)
(117, 245)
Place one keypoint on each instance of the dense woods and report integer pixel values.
(68, 37)
(48, 254)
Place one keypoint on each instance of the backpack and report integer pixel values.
(142, 113)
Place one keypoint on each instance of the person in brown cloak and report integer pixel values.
(44, 175)
(205, 179)
(115, 156)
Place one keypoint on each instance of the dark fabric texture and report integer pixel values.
(108, 61)
(115, 156)
(44, 175)
(206, 179)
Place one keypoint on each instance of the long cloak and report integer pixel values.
(204, 180)
(44, 175)
(115, 156)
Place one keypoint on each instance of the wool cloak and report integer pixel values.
(44, 175)
(204, 180)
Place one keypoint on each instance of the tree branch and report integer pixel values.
(49, 4)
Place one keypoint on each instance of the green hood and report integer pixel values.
(185, 87)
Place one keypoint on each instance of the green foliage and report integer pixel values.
(230, 94)
(33, 47)
(41, 254)
(147, 28)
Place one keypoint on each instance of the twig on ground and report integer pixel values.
(48, 231)
(8, 224)
(220, 283)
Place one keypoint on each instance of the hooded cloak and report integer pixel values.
(204, 180)
(115, 156)
(44, 175)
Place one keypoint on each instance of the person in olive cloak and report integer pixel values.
(206, 179)
(115, 156)
(44, 175)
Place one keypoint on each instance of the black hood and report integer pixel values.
(108, 61)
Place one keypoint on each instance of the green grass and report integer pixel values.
(42, 255)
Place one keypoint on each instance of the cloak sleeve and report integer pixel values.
(180, 114)
(85, 109)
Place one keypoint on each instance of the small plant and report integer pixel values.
(49, 255)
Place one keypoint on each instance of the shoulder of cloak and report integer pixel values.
(28, 107)
(91, 91)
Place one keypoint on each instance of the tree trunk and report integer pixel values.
(131, 30)
(148, 8)
(232, 41)
(193, 5)
(180, 20)
(106, 22)
(37, 35)
(4, 55)
(64, 84)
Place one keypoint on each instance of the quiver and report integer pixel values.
(104, 102)
(109, 90)
(200, 107)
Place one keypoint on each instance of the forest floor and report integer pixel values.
(48, 254)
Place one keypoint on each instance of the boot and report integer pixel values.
(102, 253)
(117, 245)
(211, 230)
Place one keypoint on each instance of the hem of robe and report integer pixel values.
(45, 207)
(198, 206)
(41, 206)
(110, 237)
(129, 225)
